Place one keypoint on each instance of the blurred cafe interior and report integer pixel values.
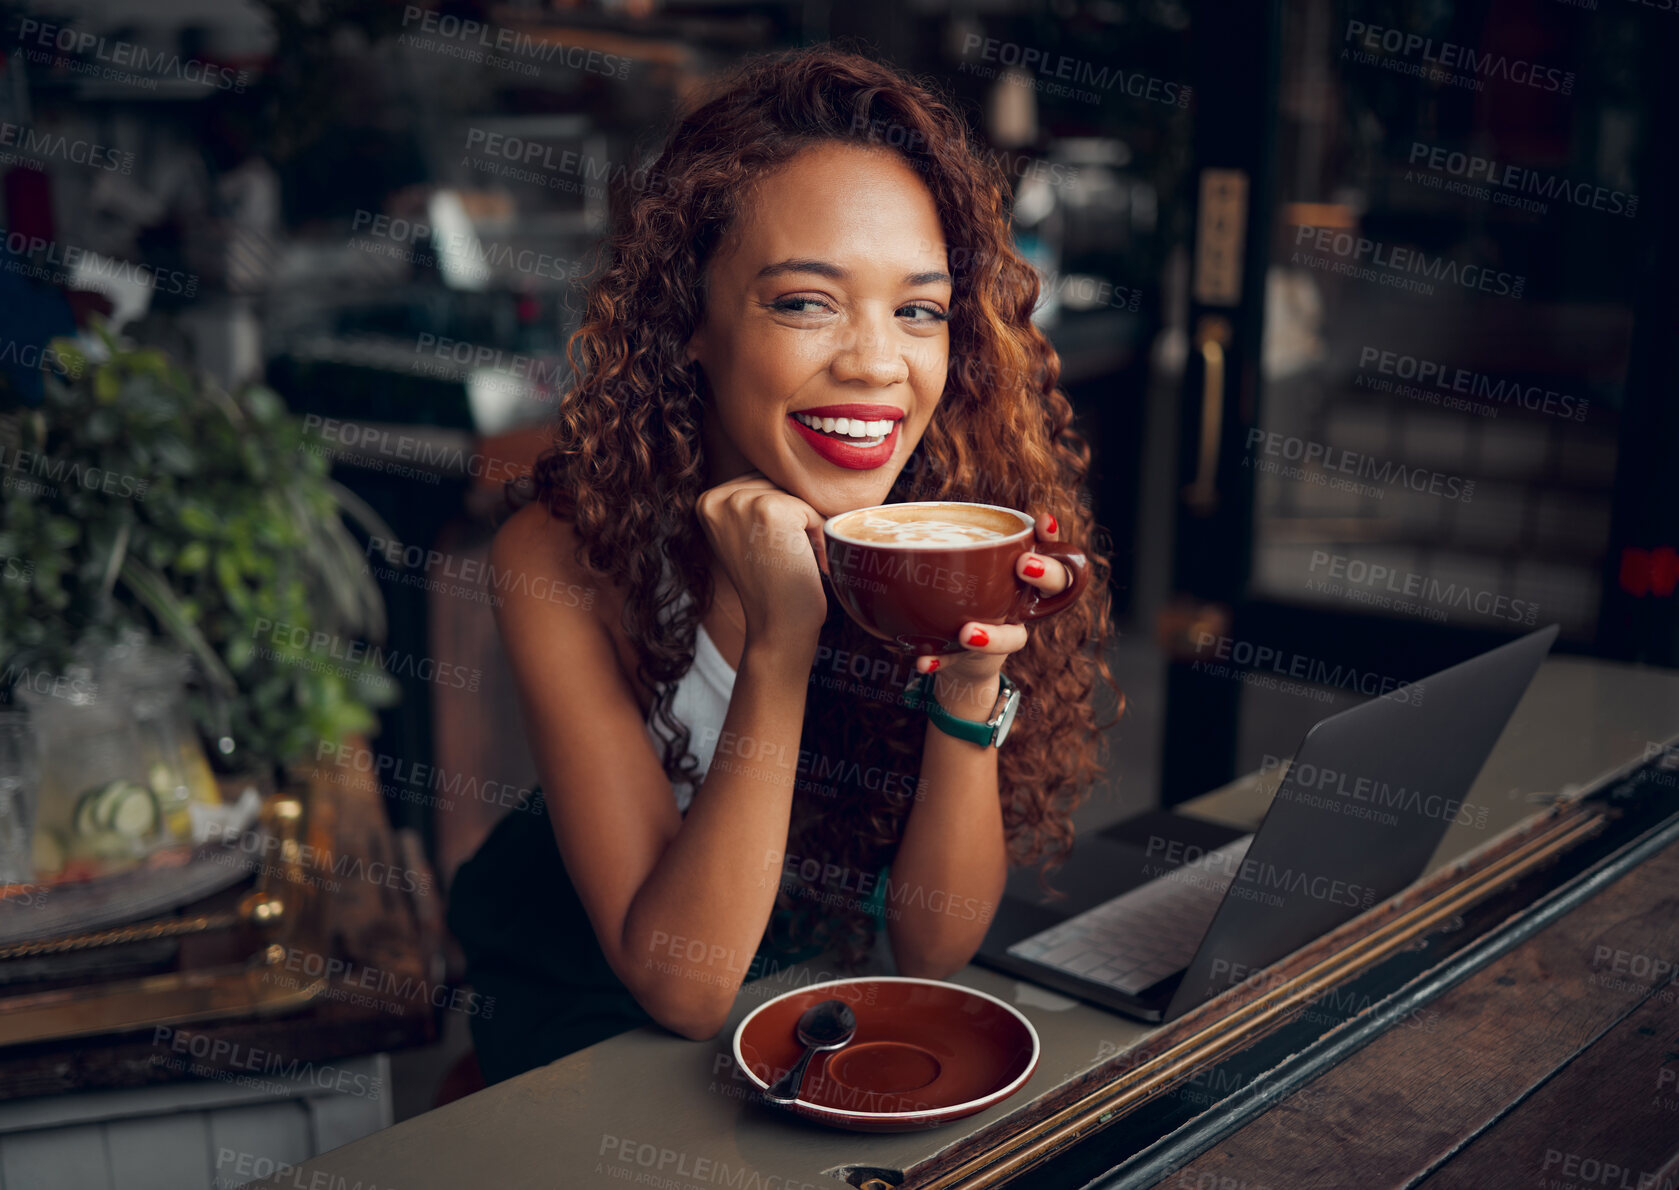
(1364, 314)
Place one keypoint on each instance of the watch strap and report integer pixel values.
(919, 693)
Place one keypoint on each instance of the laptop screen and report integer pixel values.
(1359, 812)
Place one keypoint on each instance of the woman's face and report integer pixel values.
(828, 299)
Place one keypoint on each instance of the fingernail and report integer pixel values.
(1033, 568)
(1053, 528)
(932, 664)
(978, 638)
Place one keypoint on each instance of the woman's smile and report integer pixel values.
(858, 436)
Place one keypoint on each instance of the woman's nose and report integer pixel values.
(870, 354)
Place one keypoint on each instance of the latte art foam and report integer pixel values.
(933, 527)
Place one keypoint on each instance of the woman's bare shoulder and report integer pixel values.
(536, 537)
(534, 554)
(557, 616)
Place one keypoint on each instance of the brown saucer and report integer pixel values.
(925, 1053)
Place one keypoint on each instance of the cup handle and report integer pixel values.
(1030, 605)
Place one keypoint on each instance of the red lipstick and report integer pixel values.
(842, 453)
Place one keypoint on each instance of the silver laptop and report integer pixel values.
(1359, 811)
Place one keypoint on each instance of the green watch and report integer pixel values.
(991, 733)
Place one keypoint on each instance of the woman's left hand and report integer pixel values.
(987, 646)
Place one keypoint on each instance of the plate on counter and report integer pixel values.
(925, 1053)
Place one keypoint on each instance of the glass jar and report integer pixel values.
(89, 745)
(20, 788)
(176, 770)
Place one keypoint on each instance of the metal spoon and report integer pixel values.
(825, 1026)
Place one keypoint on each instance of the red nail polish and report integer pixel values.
(932, 665)
(1053, 528)
(978, 638)
(1033, 568)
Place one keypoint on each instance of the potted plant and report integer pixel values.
(141, 496)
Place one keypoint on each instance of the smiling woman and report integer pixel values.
(780, 335)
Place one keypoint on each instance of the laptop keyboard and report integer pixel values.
(1140, 937)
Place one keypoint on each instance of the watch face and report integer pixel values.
(1007, 718)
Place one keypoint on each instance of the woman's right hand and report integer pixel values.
(769, 545)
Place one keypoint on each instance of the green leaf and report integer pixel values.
(174, 455)
(63, 532)
(265, 406)
(107, 385)
(227, 572)
(149, 361)
(150, 589)
(192, 557)
(75, 363)
(198, 521)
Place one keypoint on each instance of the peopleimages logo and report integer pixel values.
(32, 256)
(1073, 70)
(1351, 462)
(348, 975)
(1505, 185)
(223, 1056)
(1297, 665)
(1439, 384)
(474, 41)
(1411, 585)
(344, 654)
(464, 248)
(1373, 260)
(1304, 780)
(60, 470)
(897, 135)
(34, 143)
(1447, 61)
(537, 370)
(115, 52)
(538, 161)
(31, 355)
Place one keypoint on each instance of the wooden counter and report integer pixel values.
(649, 1108)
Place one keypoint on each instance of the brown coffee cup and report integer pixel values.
(915, 589)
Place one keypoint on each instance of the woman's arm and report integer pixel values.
(951, 864)
(678, 906)
(695, 923)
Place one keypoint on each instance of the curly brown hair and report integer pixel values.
(627, 467)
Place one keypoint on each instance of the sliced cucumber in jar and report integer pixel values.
(85, 824)
(136, 814)
(161, 780)
(107, 801)
(123, 808)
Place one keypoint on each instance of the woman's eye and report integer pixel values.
(795, 305)
(933, 314)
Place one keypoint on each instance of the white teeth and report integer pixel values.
(869, 433)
